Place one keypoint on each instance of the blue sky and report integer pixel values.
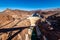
(29, 4)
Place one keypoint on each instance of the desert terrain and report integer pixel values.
(18, 18)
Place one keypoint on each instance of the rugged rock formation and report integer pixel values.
(18, 18)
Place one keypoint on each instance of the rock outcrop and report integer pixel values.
(18, 18)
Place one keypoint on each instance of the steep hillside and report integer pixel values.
(17, 13)
(8, 14)
(4, 17)
(18, 18)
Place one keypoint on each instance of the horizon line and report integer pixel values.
(2, 9)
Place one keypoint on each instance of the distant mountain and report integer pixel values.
(53, 9)
(17, 18)
(9, 14)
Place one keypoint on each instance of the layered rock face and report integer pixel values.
(14, 18)
(18, 18)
